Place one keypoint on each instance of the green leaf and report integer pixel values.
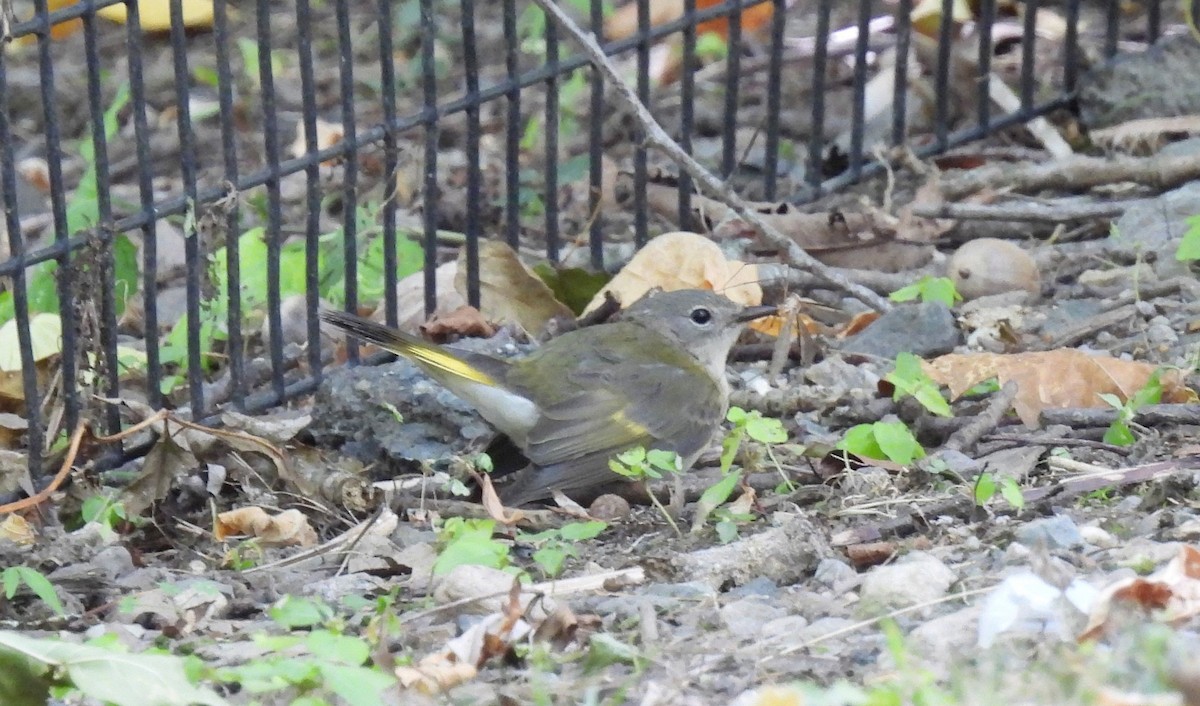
(985, 488)
(339, 648)
(573, 286)
(109, 676)
(1011, 492)
(860, 441)
(668, 461)
(295, 612)
(578, 531)
(765, 430)
(605, 650)
(716, 494)
(1119, 434)
(470, 542)
(1189, 247)
(727, 531)
(12, 581)
(550, 559)
(897, 442)
(928, 289)
(20, 683)
(1112, 400)
(729, 447)
(39, 584)
(358, 686)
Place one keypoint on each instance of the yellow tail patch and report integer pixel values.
(441, 360)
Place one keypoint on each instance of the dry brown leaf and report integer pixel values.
(328, 135)
(509, 292)
(1058, 379)
(285, 529)
(863, 240)
(682, 260)
(465, 321)
(1174, 590)
(491, 503)
(16, 529)
(1149, 134)
(460, 660)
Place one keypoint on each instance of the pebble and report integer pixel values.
(746, 617)
(1058, 532)
(761, 586)
(1098, 537)
(837, 575)
(925, 329)
(917, 578)
(783, 632)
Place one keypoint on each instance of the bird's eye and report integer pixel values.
(701, 316)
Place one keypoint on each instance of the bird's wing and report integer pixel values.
(612, 403)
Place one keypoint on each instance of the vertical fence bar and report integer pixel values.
(12, 221)
(108, 307)
(774, 99)
(858, 109)
(312, 184)
(551, 168)
(1028, 55)
(941, 90)
(733, 77)
(596, 149)
(1112, 25)
(350, 165)
(430, 187)
(274, 234)
(640, 224)
(145, 173)
(1071, 48)
(816, 141)
(900, 85)
(983, 103)
(58, 209)
(512, 128)
(474, 173)
(229, 156)
(687, 109)
(187, 170)
(391, 160)
(1154, 21)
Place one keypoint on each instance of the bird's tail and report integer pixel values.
(432, 357)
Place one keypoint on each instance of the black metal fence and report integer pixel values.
(156, 203)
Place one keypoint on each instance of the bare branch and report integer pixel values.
(657, 137)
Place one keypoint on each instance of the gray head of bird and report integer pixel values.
(704, 323)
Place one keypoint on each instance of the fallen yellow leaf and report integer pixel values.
(155, 15)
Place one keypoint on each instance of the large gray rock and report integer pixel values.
(925, 329)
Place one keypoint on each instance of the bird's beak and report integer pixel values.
(751, 313)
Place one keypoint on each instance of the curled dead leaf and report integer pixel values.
(1058, 379)
(287, 528)
(1174, 590)
(682, 260)
(510, 292)
(464, 322)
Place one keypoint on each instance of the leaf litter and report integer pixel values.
(779, 598)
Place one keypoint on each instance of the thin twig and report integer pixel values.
(656, 136)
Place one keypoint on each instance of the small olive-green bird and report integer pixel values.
(655, 379)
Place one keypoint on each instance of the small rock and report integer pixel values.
(988, 266)
(483, 582)
(944, 639)
(837, 575)
(760, 586)
(1161, 332)
(924, 329)
(1097, 537)
(917, 578)
(610, 508)
(1058, 532)
(688, 589)
(745, 617)
(783, 632)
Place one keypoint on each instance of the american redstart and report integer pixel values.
(655, 378)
